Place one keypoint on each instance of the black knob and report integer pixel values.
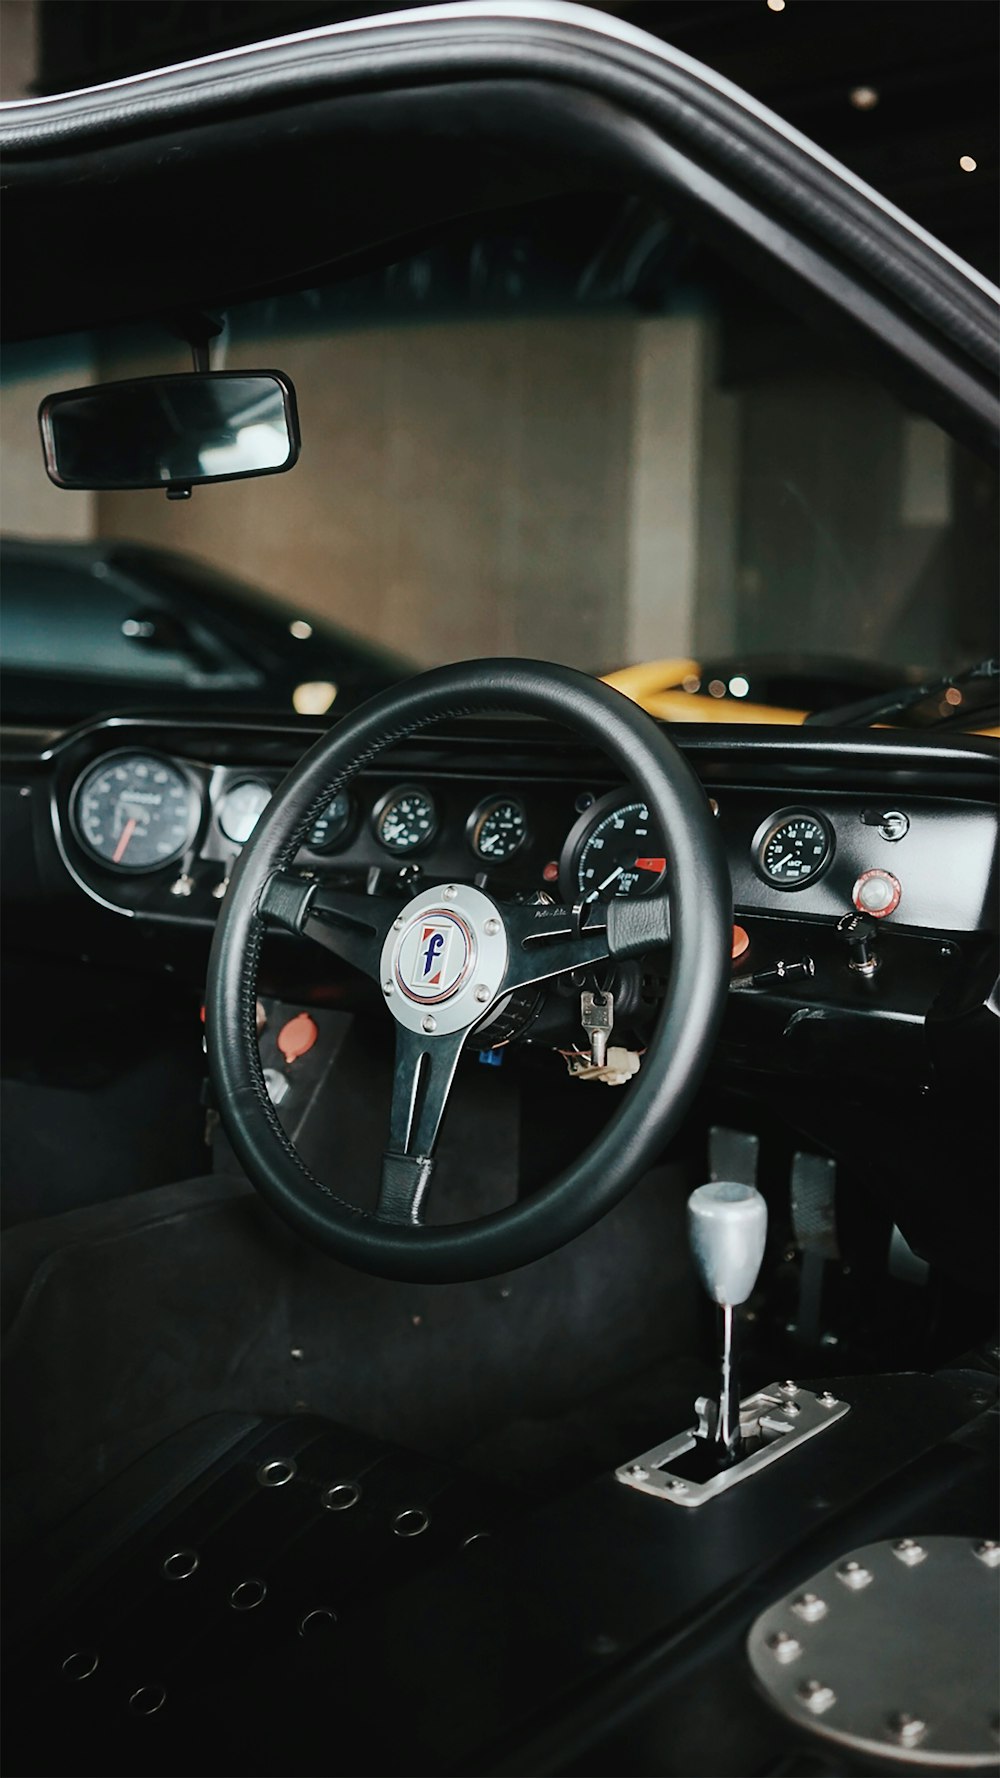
(859, 931)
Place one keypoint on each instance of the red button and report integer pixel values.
(297, 1037)
(741, 941)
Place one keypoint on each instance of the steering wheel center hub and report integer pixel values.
(444, 959)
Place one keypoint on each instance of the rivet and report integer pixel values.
(181, 1565)
(854, 1575)
(906, 1729)
(784, 1647)
(788, 1388)
(827, 1400)
(340, 1496)
(482, 993)
(491, 927)
(810, 1607)
(146, 1700)
(792, 1409)
(676, 1486)
(638, 1472)
(247, 1595)
(428, 1022)
(276, 1473)
(450, 893)
(411, 1521)
(80, 1665)
(398, 924)
(908, 1550)
(816, 1696)
(387, 987)
(989, 1552)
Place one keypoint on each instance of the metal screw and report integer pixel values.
(784, 1647)
(450, 893)
(810, 1607)
(491, 927)
(676, 1486)
(296, 1353)
(397, 925)
(908, 1550)
(638, 1473)
(989, 1552)
(482, 993)
(387, 987)
(788, 1388)
(816, 1696)
(854, 1575)
(906, 1729)
(792, 1409)
(428, 1022)
(827, 1400)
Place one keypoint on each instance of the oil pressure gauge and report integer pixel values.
(792, 848)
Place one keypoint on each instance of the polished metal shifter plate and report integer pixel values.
(892, 1651)
(775, 1421)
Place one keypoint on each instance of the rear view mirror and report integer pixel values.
(171, 432)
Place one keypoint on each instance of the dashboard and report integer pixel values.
(864, 867)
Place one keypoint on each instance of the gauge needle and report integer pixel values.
(656, 864)
(126, 834)
(594, 893)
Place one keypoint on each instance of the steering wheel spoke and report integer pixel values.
(547, 941)
(352, 926)
(422, 1080)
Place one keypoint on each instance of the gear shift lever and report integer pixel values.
(727, 1227)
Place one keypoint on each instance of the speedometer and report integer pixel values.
(135, 811)
(613, 850)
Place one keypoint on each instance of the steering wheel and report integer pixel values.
(445, 961)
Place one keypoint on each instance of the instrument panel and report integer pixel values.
(156, 830)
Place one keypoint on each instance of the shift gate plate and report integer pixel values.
(774, 1421)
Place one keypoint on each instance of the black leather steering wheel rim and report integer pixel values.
(654, 1101)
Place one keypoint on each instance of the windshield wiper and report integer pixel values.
(885, 704)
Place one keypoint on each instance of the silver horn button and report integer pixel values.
(447, 951)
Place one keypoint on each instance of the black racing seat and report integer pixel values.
(190, 1617)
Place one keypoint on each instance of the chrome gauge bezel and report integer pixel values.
(395, 795)
(576, 839)
(479, 815)
(230, 790)
(773, 825)
(196, 810)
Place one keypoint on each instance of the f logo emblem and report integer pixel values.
(433, 939)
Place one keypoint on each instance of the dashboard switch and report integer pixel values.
(858, 930)
(876, 892)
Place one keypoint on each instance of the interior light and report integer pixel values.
(739, 686)
(300, 629)
(775, 5)
(864, 98)
(314, 697)
(716, 688)
(967, 164)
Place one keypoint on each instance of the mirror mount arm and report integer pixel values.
(199, 328)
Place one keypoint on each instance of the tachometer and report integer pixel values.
(613, 850)
(792, 848)
(405, 819)
(135, 811)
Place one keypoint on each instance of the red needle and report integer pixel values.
(657, 864)
(126, 834)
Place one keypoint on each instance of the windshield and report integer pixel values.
(570, 433)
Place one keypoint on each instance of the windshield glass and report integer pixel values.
(570, 433)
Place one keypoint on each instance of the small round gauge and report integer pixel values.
(135, 812)
(614, 851)
(241, 808)
(405, 819)
(497, 829)
(332, 824)
(792, 848)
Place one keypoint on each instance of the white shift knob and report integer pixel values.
(727, 1228)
